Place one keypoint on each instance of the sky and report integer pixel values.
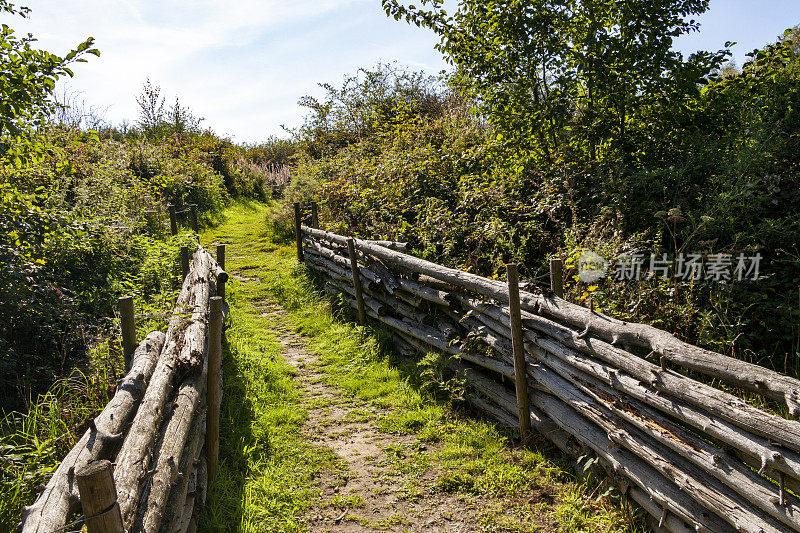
(242, 65)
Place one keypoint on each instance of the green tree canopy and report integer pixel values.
(575, 76)
(27, 82)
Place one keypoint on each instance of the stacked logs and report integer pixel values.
(154, 428)
(695, 457)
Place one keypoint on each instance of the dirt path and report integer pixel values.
(387, 485)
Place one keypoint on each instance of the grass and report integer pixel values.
(266, 470)
(269, 475)
(32, 444)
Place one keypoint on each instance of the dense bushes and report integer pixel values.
(720, 177)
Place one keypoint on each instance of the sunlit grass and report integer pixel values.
(266, 474)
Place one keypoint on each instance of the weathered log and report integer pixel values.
(710, 458)
(343, 280)
(325, 235)
(393, 245)
(754, 489)
(703, 488)
(181, 524)
(377, 307)
(180, 493)
(716, 402)
(201, 487)
(387, 279)
(432, 282)
(325, 267)
(216, 270)
(694, 482)
(758, 452)
(402, 347)
(493, 411)
(59, 499)
(732, 371)
(402, 309)
(408, 298)
(339, 260)
(170, 451)
(355, 278)
(183, 348)
(544, 425)
(623, 461)
(423, 291)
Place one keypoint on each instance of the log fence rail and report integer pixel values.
(160, 429)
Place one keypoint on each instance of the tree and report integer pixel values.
(151, 107)
(157, 122)
(570, 80)
(364, 103)
(27, 83)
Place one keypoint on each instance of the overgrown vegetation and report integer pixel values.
(564, 127)
(83, 221)
(554, 137)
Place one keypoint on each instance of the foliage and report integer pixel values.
(156, 122)
(709, 165)
(367, 102)
(27, 82)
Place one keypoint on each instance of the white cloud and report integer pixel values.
(241, 64)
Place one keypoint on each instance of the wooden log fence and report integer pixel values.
(682, 436)
(161, 428)
(189, 216)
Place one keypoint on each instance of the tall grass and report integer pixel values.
(32, 444)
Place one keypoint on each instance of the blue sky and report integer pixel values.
(243, 64)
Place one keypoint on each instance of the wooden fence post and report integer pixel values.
(173, 220)
(351, 252)
(314, 215)
(298, 232)
(221, 263)
(213, 387)
(193, 218)
(98, 496)
(556, 281)
(184, 262)
(520, 367)
(128, 326)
